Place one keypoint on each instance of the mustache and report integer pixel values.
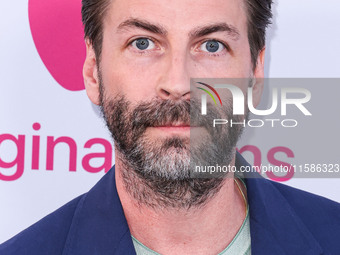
(164, 112)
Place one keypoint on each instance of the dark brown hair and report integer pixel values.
(259, 16)
(92, 13)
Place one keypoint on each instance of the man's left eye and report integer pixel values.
(212, 46)
(143, 44)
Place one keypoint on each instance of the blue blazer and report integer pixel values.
(283, 220)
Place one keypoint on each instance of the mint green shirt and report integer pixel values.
(240, 245)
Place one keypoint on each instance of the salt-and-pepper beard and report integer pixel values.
(158, 173)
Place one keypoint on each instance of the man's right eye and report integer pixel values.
(143, 44)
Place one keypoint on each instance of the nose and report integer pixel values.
(174, 83)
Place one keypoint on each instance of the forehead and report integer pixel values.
(179, 16)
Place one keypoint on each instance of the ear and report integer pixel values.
(90, 74)
(258, 78)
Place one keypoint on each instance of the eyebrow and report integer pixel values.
(213, 28)
(197, 32)
(143, 24)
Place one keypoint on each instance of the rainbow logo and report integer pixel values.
(209, 93)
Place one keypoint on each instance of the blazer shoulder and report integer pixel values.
(304, 201)
(47, 236)
(319, 214)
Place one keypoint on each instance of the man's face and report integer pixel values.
(151, 49)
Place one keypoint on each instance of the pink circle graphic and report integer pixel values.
(57, 33)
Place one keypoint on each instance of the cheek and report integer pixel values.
(134, 78)
(223, 70)
(231, 66)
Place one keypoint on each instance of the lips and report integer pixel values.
(174, 127)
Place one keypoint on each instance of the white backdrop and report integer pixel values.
(302, 42)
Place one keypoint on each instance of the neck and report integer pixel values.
(204, 229)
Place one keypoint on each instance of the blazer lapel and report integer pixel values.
(99, 225)
(275, 228)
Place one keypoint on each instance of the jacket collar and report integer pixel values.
(99, 225)
(275, 228)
